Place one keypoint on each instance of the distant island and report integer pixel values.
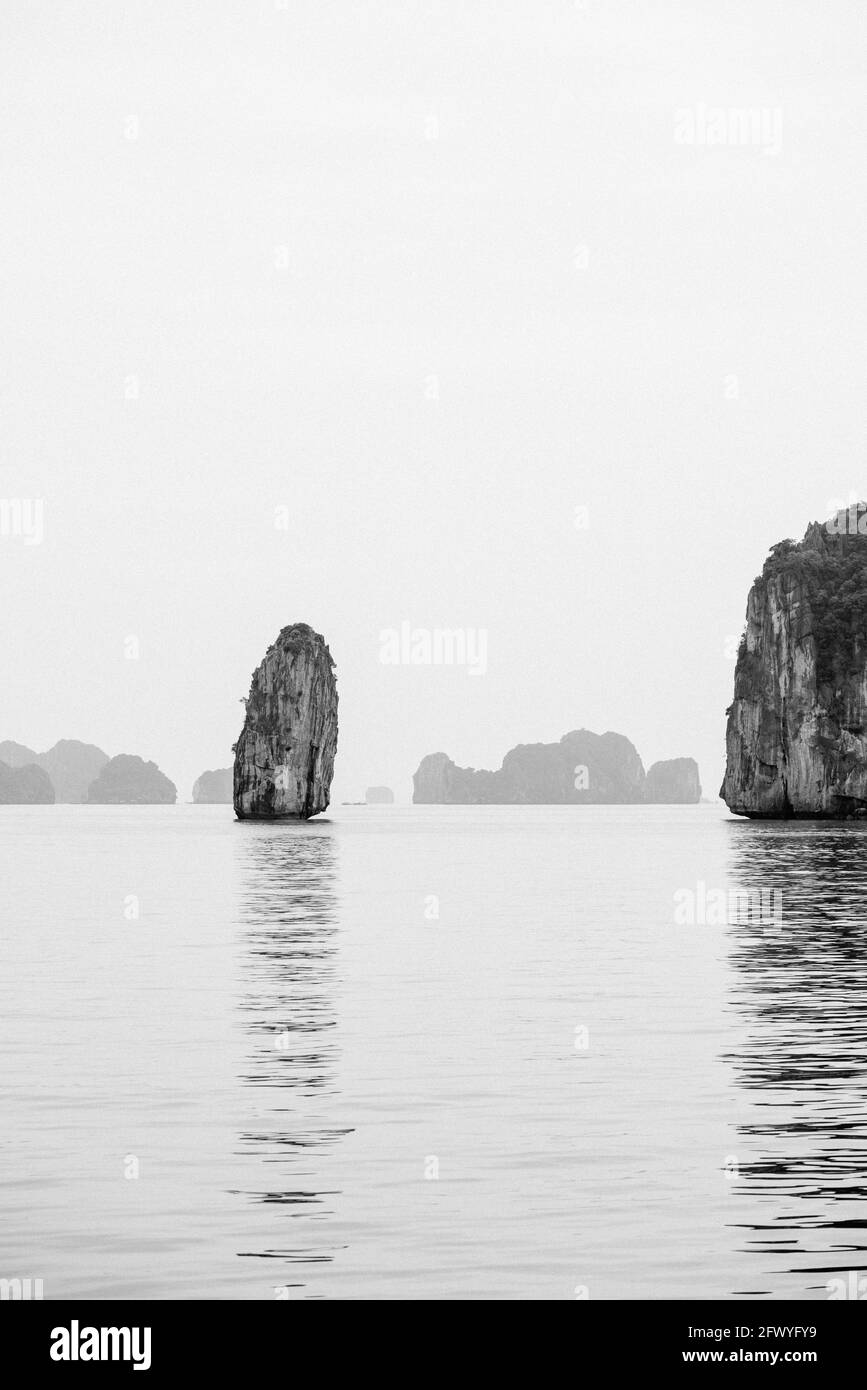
(28, 785)
(213, 788)
(379, 796)
(73, 773)
(130, 781)
(374, 796)
(71, 766)
(796, 740)
(582, 769)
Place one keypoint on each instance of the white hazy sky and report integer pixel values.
(283, 219)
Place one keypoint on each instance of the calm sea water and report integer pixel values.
(430, 1052)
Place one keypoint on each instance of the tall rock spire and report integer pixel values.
(284, 759)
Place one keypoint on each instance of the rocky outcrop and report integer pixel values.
(673, 782)
(583, 768)
(25, 786)
(284, 759)
(213, 788)
(796, 739)
(379, 796)
(72, 767)
(130, 781)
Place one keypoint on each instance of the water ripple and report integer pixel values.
(289, 940)
(799, 993)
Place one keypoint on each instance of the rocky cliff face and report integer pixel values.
(214, 788)
(284, 759)
(582, 768)
(796, 740)
(28, 785)
(673, 782)
(129, 781)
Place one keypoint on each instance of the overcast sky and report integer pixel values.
(416, 281)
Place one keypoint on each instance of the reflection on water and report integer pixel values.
(799, 987)
(333, 1093)
(289, 940)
